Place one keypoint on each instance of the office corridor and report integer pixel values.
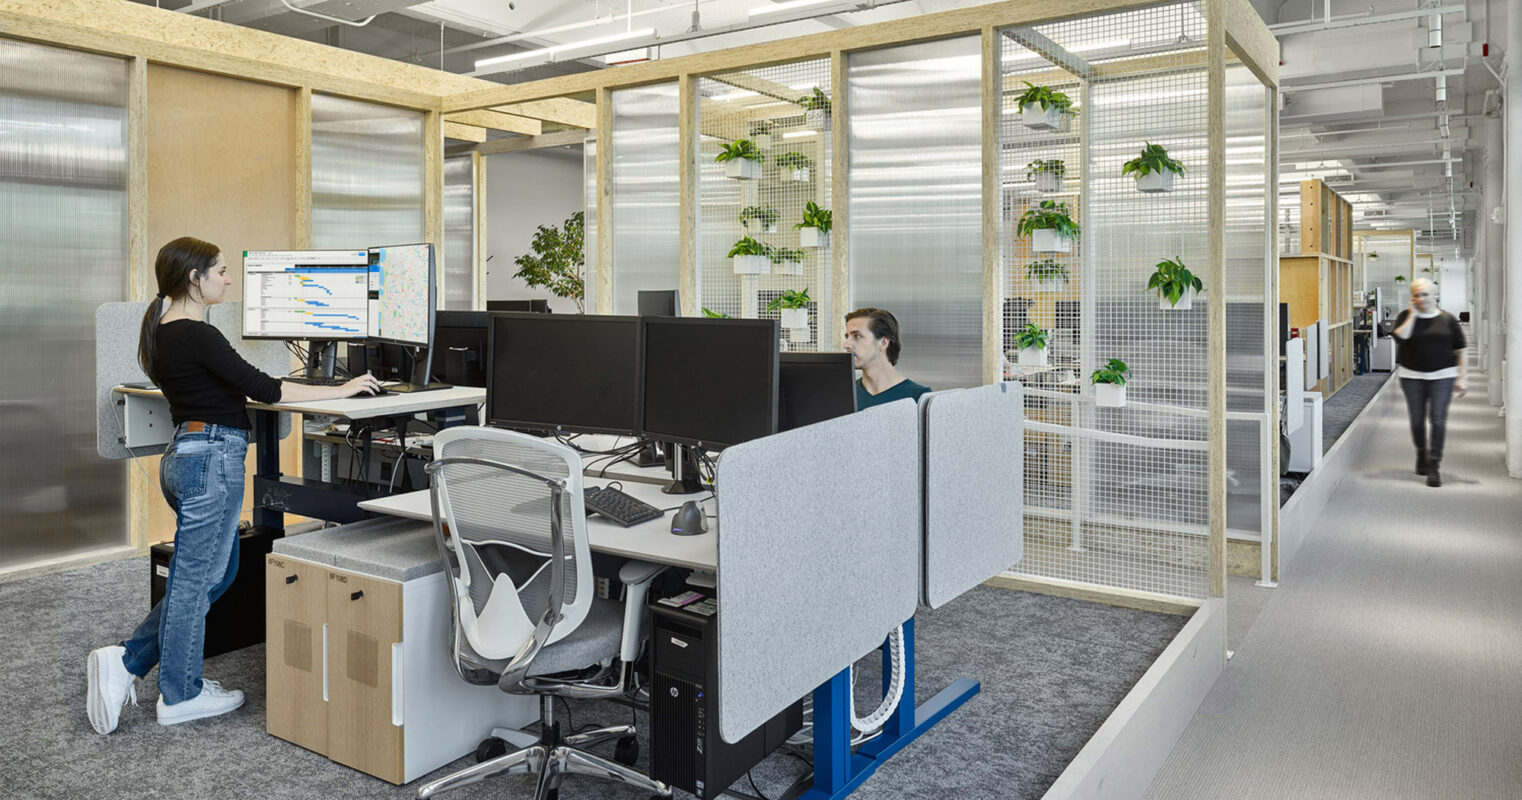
(1388, 664)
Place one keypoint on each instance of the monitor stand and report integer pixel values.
(684, 469)
(422, 363)
(321, 357)
(649, 454)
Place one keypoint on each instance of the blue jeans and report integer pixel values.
(1428, 400)
(202, 478)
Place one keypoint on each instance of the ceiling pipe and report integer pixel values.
(1355, 20)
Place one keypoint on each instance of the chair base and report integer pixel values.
(552, 763)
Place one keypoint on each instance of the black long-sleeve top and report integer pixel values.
(1432, 343)
(203, 377)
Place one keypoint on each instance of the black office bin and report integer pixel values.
(236, 619)
(686, 750)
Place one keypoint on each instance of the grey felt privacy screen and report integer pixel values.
(818, 539)
(974, 489)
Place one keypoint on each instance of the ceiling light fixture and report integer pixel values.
(1435, 30)
(783, 8)
(545, 55)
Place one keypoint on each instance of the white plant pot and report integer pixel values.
(1155, 182)
(1185, 301)
(787, 268)
(799, 334)
(1046, 240)
(801, 174)
(762, 140)
(811, 237)
(795, 318)
(1033, 356)
(742, 169)
(817, 119)
(1049, 286)
(1034, 117)
(1110, 395)
(1048, 182)
(772, 228)
(752, 265)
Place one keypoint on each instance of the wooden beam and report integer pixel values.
(993, 117)
(840, 175)
(142, 282)
(463, 133)
(497, 121)
(687, 182)
(303, 152)
(1040, 44)
(1252, 42)
(1123, 598)
(557, 139)
(604, 170)
(433, 192)
(560, 110)
(1215, 294)
(761, 86)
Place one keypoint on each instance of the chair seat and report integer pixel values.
(596, 640)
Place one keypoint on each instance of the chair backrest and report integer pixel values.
(493, 490)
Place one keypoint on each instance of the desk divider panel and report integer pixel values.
(818, 556)
(974, 487)
(117, 327)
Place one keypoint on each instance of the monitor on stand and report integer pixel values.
(814, 387)
(317, 296)
(563, 373)
(459, 347)
(537, 306)
(708, 384)
(663, 303)
(401, 305)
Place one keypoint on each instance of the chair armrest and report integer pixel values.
(635, 572)
(636, 577)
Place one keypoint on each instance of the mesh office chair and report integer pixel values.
(511, 526)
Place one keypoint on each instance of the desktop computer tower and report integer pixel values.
(686, 750)
(236, 619)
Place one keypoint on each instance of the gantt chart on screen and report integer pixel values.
(306, 294)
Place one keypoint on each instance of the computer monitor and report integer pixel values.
(306, 294)
(402, 296)
(708, 383)
(567, 372)
(459, 347)
(538, 306)
(814, 387)
(663, 303)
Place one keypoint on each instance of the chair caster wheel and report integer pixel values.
(626, 752)
(490, 748)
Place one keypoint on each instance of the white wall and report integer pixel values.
(526, 189)
(1453, 285)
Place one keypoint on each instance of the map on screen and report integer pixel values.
(399, 296)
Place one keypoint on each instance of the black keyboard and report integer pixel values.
(302, 379)
(620, 507)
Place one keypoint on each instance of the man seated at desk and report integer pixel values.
(872, 339)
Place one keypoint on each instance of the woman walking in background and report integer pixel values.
(1430, 350)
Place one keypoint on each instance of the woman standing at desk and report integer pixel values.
(207, 385)
(1430, 351)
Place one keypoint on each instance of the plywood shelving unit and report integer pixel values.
(1318, 282)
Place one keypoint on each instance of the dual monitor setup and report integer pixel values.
(380, 295)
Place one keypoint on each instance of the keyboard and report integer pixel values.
(302, 379)
(620, 507)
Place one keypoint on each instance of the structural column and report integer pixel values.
(1495, 257)
(1513, 283)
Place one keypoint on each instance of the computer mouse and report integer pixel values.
(689, 520)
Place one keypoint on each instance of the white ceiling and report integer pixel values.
(1375, 136)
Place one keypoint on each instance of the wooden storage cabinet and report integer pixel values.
(358, 661)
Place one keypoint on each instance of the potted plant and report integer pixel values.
(751, 257)
(1153, 169)
(741, 159)
(765, 218)
(1044, 109)
(1047, 174)
(1048, 275)
(1373, 254)
(816, 109)
(794, 307)
(795, 165)
(1110, 384)
(814, 230)
(787, 261)
(1031, 341)
(1400, 279)
(1176, 286)
(1049, 226)
(711, 314)
(557, 260)
(761, 132)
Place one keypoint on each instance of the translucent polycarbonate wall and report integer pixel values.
(63, 223)
(458, 291)
(367, 174)
(916, 201)
(1387, 256)
(1114, 496)
(765, 201)
(589, 234)
(646, 193)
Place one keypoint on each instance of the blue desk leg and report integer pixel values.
(838, 771)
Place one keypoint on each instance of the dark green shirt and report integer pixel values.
(898, 391)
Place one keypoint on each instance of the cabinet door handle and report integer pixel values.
(291, 578)
(357, 595)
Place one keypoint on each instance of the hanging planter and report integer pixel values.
(793, 307)
(1153, 169)
(751, 257)
(816, 109)
(814, 230)
(786, 261)
(795, 318)
(1049, 226)
(1046, 174)
(741, 159)
(1110, 384)
(795, 166)
(761, 217)
(1032, 343)
(1043, 109)
(761, 133)
(1047, 275)
(1175, 285)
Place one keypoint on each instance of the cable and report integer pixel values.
(895, 691)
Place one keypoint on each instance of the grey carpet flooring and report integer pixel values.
(1051, 670)
(1337, 413)
(1386, 663)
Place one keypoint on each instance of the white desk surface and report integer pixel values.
(647, 541)
(365, 407)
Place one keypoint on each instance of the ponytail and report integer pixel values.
(177, 262)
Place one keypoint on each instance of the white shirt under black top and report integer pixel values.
(1428, 354)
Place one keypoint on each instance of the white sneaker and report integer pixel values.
(111, 686)
(212, 700)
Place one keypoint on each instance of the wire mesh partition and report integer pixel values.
(646, 193)
(1385, 257)
(1116, 497)
(764, 196)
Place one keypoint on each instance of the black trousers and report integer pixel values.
(1428, 400)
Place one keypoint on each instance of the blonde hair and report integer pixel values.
(1420, 283)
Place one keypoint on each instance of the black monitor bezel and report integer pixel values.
(826, 359)
(674, 294)
(707, 444)
(242, 319)
(462, 319)
(561, 319)
(433, 280)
